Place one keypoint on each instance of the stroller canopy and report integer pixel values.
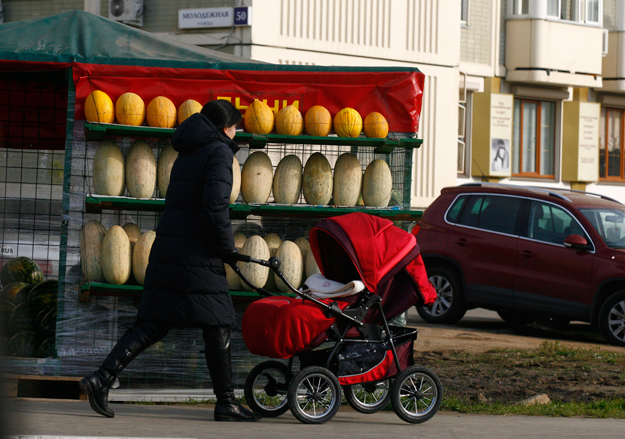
(386, 258)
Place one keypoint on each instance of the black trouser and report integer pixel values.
(145, 333)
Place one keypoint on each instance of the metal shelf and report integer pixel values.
(90, 289)
(95, 131)
(97, 203)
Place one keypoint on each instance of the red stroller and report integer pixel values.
(346, 342)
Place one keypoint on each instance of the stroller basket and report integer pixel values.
(373, 360)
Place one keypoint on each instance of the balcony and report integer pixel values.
(553, 52)
(614, 64)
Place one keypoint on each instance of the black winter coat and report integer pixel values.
(185, 282)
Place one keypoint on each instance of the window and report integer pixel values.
(611, 144)
(520, 7)
(533, 138)
(550, 223)
(464, 12)
(490, 212)
(593, 8)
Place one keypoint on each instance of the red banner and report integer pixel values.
(395, 94)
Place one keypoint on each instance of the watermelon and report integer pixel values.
(21, 269)
(10, 291)
(46, 349)
(22, 344)
(46, 323)
(45, 293)
(6, 308)
(22, 295)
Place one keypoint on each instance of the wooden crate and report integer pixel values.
(41, 387)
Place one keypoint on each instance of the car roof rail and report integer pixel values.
(544, 189)
(512, 186)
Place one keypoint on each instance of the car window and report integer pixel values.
(551, 223)
(491, 212)
(454, 210)
(609, 223)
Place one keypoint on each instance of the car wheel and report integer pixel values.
(612, 319)
(449, 306)
(516, 318)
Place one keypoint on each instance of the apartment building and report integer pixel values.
(542, 94)
(527, 92)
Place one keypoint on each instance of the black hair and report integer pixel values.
(222, 113)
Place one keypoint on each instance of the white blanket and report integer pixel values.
(321, 288)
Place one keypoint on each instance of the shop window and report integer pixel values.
(611, 144)
(533, 143)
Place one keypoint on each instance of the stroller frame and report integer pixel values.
(314, 393)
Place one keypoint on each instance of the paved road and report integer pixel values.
(75, 418)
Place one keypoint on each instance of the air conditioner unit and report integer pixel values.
(126, 10)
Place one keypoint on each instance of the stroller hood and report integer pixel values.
(372, 249)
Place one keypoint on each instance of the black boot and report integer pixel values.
(97, 384)
(218, 360)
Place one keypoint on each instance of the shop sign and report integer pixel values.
(588, 141)
(501, 106)
(214, 17)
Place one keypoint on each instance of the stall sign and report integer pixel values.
(214, 17)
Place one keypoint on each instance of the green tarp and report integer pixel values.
(79, 36)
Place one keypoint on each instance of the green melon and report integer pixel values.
(10, 291)
(21, 269)
(46, 349)
(22, 344)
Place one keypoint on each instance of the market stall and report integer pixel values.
(58, 62)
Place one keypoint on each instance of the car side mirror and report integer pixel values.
(577, 242)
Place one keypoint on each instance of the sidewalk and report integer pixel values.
(75, 418)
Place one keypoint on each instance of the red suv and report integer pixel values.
(531, 254)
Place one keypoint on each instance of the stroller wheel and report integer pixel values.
(417, 394)
(368, 397)
(314, 395)
(266, 388)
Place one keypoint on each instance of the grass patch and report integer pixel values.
(614, 408)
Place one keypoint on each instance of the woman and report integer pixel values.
(185, 283)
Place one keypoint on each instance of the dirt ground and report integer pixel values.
(472, 366)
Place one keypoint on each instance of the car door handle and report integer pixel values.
(461, 242)
(526, 253)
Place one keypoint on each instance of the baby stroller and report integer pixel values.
(346, 342)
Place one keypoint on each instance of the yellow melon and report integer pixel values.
(161, 113)
(141, 255)
(256, 178)
(99, 107)
(377, 184)
(187, 108)
(236, 180)
(273, 242)
(375, 125)
(348, 123)
(317, 180)
(108, 169)
(292, 266)
(318, 121)
(134, 233)
(130, 109)
(289, 121)
(347, 180)
(163, 170)
(257, 248)
(234, 281)
(258, 118)
(287, 181)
